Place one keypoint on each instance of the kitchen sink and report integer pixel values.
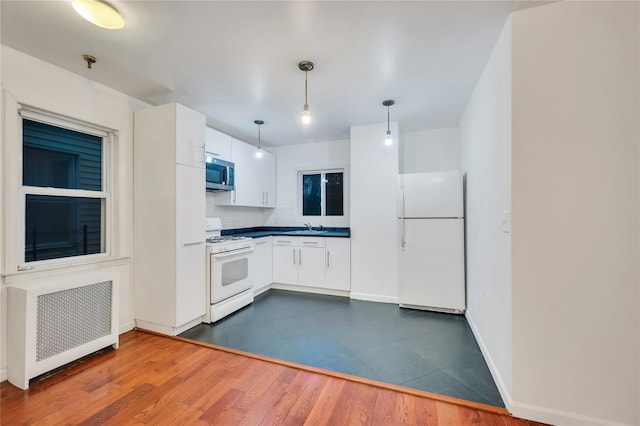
(305, 232)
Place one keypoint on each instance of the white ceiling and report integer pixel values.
(237, 61)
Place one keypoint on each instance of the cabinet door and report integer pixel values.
(190, 283)
(268, 179)
(218, 144)
(285, 265)
(190, 205)
(338, 263)
(311, 269)
(263, 263)
(247, 181)
(190, 137)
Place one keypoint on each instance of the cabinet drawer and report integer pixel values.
(310, 241)
(284, 241)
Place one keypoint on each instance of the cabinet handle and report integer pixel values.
(267, 194)
(299, 256)
(328, 257)
(294, 255)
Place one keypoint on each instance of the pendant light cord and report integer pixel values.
(388, 119)
(305, 88)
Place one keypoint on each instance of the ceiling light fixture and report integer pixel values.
(99, 13)
(305, 66)
(259, 150)
(388, 140)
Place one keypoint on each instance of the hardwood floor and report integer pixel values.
(155, 380)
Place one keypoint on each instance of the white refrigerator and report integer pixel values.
(431, 253)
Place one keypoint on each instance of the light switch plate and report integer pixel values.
(505, 221)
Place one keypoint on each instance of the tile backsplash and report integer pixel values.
(238, 217)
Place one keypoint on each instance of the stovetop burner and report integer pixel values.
(224, 239)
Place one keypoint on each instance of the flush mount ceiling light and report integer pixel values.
(99, 13)
(259, 150)
(306, 66)
(388, 140)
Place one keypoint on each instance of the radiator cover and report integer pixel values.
(53, 322)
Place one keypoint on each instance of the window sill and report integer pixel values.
(66, 266)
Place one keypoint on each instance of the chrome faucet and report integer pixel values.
(308, 225)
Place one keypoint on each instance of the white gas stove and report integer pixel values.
(229, 284)
(225, 243)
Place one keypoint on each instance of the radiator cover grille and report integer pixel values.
(70, 318)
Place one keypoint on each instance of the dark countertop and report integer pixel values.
(299, 231)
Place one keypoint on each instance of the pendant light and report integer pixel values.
(99, 13)
(259, 150)
(305, 66)
(388, 140)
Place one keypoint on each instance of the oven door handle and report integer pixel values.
(232, 253)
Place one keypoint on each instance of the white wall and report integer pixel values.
(374, 229)
(485, 131)
(430, 151)
(576, 335)
(311, 156)
(41, 84)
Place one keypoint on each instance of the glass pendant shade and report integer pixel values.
(388, 140)
(306, 115)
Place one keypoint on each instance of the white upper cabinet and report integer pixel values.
(255, 178)
(189, 137)
(218, 144)
(267, 176)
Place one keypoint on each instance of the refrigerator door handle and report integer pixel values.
(403, 240)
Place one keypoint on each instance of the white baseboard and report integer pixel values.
(557, 417)
(166, 329)
(3, 374)
(495, 373)
(314, 290)
(126, 327)
(373, 298)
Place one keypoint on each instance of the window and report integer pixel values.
(322, 193)
(66, 198)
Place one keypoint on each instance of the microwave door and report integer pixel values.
(219, 175)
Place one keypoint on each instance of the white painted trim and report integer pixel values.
(3, 374)
(373, 298)
(558, 417)
(261, 290)
(314, 290)
(495, 373)
(126, 327)
(167, 329)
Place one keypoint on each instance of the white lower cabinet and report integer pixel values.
(338, 275)
(299, 261)
(312, 262)
(262, 274)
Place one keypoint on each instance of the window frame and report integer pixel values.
(16, 253)
(333, 219)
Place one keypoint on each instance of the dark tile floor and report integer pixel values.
(418, 349)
